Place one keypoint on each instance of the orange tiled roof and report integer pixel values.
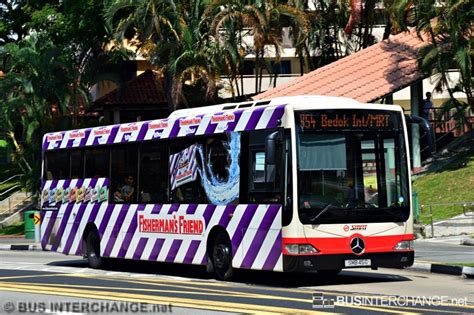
(365, 76)
(144, 90)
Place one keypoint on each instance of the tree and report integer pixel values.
(34, 95)
(449, 30)
(54, 52)
(264, 21)
(13, 19)
(170, 34)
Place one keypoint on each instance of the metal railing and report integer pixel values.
(465, 205)
(446, 124)
(10, 178)
(8, 192)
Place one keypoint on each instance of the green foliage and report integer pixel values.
(49, 71)
(452, 184)
(448, 27)
(14, 229)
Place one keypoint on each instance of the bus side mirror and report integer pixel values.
(271, 143)
(426, 126)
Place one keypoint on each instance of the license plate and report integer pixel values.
(357, 262)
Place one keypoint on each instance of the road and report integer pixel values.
(46, 281)
(446, 250)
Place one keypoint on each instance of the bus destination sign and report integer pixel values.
(343, 120)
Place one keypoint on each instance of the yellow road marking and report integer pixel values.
(227, 293)
(180, 302)
(218, 293)
(31, 276)
(263, 296)
(232, 293)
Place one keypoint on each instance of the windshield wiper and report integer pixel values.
(398, 215)
(326, 208)
(395, 214)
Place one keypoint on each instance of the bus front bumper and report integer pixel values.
(341, 261)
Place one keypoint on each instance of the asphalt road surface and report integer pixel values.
(45, 282)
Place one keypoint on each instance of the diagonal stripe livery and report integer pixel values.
(249, 239)
(239, 120)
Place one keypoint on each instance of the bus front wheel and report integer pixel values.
(222, 257)
(93, 249)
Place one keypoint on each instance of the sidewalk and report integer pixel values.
(439, 255)
(18, 242)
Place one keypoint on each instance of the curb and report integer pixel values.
(467, 242)
(443, 269)
(21, 247)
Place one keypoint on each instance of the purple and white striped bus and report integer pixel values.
(296, 183)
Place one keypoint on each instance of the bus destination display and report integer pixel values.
(341, 120)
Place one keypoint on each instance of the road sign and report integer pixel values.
(37, 219)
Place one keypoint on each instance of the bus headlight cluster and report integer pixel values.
(300, 249)
(404, 245)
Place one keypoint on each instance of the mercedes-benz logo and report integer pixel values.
(357, 245)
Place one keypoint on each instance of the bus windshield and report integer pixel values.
(352, 167)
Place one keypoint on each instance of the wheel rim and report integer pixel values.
(221, 256)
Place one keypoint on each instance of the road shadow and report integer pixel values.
(249, 277)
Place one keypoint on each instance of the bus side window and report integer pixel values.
(123, 179)
(57, 165)
(97, 163)
(187, 193)
(259, 190)
(153, 183)
(77, 161)
(258, 168)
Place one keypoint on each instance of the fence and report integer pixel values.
(467, 207)
(5, 195)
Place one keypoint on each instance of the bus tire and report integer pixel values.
(222, 257)
(93, 249)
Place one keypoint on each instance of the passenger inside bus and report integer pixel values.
(125, 193)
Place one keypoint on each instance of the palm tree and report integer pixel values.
(264, 21)
(170, 34)
(197, 59)
(449, 30)
(149, 24)
(230, 22)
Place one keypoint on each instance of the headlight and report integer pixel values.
(300, 249)
(404, 245)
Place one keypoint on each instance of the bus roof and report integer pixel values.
(251, 115)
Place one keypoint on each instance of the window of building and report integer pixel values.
(248, 67)
(285, 67)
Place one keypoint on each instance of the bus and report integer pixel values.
(303, 183)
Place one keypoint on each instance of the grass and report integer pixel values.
(454, 183)
(463, 264)
(14, 229)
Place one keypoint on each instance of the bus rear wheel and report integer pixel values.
(222, 257)
(93, 249)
